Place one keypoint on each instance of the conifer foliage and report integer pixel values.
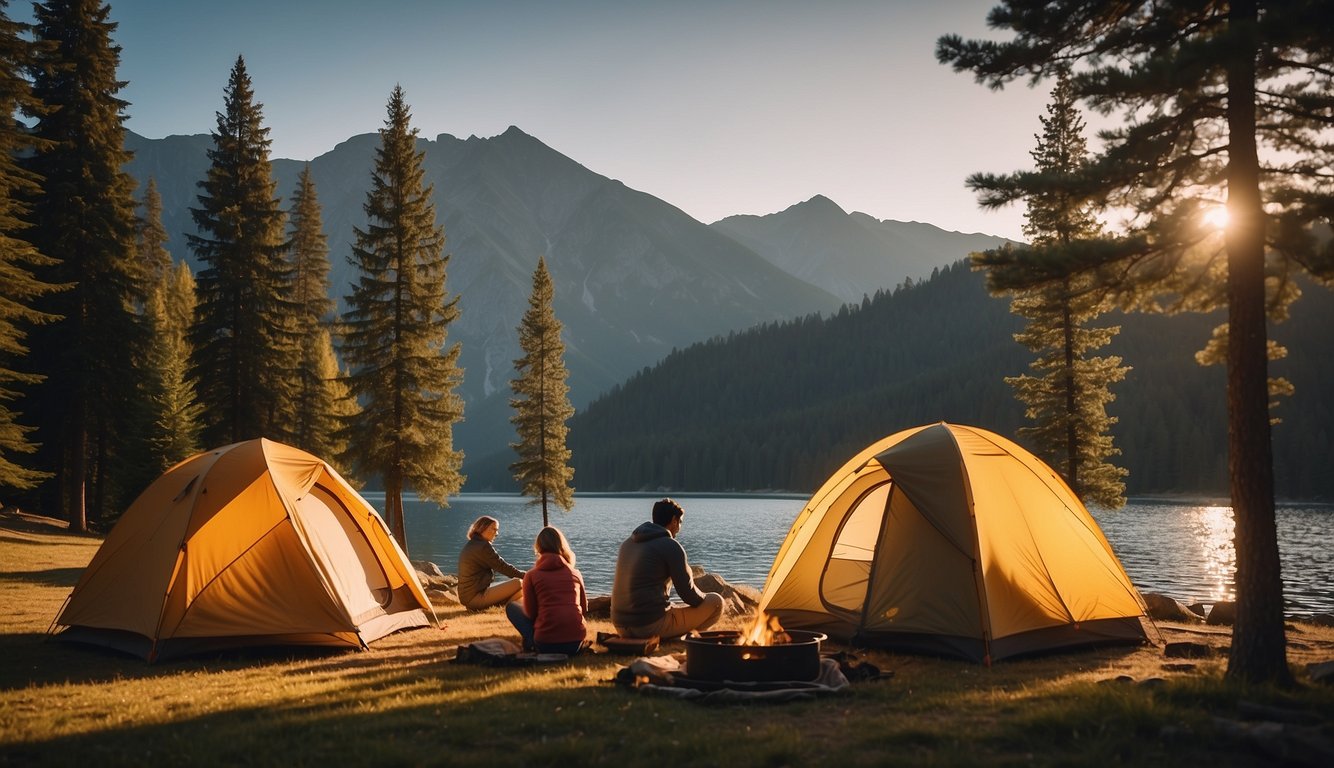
(18, 260)
(317, 394)
(151, 237)
(83, 218)
(244, 336)
(175, 417)
(1225, 102)
(1069, 393)
(403, 370)
(542, 402)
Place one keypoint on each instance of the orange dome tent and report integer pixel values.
(952, 540)
(256, 543)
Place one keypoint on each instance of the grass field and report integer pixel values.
(405, 703)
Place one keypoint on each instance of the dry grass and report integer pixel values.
(404, 702)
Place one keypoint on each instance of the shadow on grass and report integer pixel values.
(422, 712)
(51, 577)
(33, 659)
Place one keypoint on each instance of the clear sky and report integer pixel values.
(717, 107)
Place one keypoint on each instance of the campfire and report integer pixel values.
(764, 651)
(764, 630)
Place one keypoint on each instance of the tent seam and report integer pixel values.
(1106, 567)
(979, 577)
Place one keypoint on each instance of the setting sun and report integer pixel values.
(1217, 217)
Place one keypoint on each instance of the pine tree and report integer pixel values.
(1071, 389)
(175, 416)
(165, 428)
(542, 402)
(245, 334)
(326, 436)
(83, 218)
(313, 422)
(1203, 88)
(151, 237)
(18, 260)
(403, 370)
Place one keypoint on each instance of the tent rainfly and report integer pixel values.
(952, 540)
(256, 543)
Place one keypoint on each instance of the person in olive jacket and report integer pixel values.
(650, 562)
(479, 563)
(551, 616)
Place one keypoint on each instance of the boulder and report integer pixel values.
(430, 576)
(429, 568)
(1223, 613)
(599, 607)
(1283, 743)
(440, 596)
(738, 599)
(1164, 608)
(1321, 672)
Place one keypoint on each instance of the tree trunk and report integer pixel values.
(1071, 437)
(76, 464)
(393, 510)
(1259, 653)
(98, 511)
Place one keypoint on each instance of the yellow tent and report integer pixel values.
(952, 540)
(257, 543)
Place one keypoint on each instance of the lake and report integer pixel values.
(1181, 550)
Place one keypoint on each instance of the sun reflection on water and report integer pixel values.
(1213, 528)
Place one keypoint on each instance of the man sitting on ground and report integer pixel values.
(649, 563)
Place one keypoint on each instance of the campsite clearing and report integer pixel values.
(404, 702)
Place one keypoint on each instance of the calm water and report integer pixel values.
(1179, 550)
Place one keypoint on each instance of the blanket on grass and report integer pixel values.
(499, 652)
(665, 676)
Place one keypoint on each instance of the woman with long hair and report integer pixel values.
(551, 617)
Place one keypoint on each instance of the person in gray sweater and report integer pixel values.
(648, 564)
(479, 562)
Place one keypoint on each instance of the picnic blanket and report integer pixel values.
(499, 652)
(665, 676)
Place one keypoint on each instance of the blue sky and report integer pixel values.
(716, 107)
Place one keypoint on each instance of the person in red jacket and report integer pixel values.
(551, 617)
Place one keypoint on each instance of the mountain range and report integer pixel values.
(635, 277)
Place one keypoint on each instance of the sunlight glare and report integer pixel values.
(1216, 217)
(1214, 530)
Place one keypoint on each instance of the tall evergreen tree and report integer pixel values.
(542, 402)
(323, 423)
(151, 237)
(175, 417)
(1069, 394)
(403, 370)
(245, 335)
(18, 259)
(312, 423)
(165, 428)
(1203, 87)
(84, 219)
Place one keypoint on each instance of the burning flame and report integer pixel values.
(764, 630)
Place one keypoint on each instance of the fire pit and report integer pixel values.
(718, 656)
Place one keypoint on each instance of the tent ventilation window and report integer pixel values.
(847, 572)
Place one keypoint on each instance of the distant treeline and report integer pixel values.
(782, 405)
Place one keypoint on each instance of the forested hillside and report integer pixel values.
(782, 405)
